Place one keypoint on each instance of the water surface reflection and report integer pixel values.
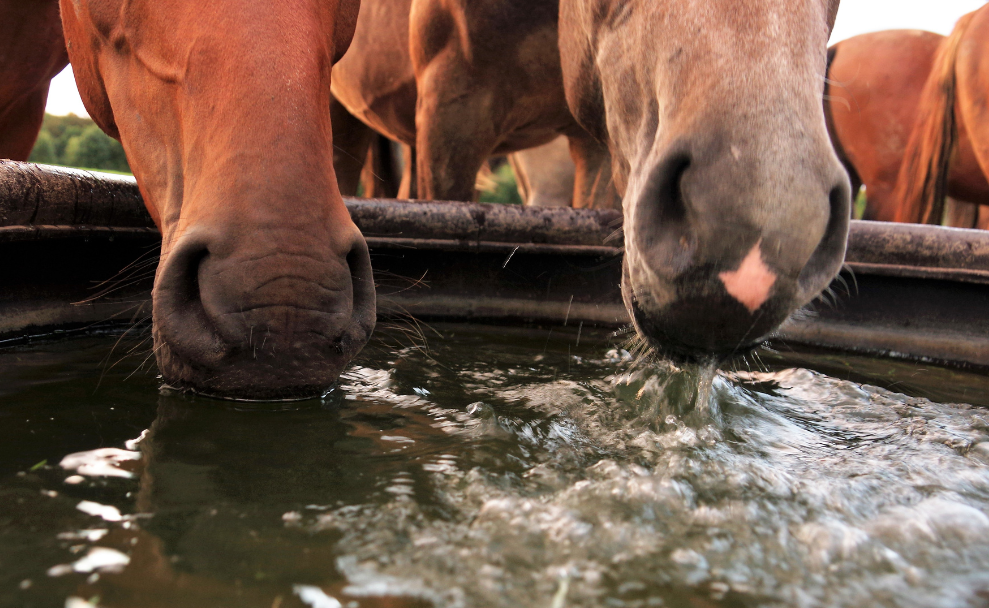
(504, 469)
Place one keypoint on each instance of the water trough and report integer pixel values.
(78, 249)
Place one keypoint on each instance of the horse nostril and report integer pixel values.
(362, 278)
(673, 206)
(663, 225)
(187, 274)
(829, 254)
(180, 315)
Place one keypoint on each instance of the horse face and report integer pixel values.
(736, 207)
(264, 287)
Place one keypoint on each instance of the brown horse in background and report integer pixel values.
(264, 287)
(462, 82)
(872, 101)
(32, 52)
(955, 102)
(365, 161)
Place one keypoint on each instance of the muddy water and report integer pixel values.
(496, 467)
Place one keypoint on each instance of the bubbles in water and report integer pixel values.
(490, 471)
(786, 488)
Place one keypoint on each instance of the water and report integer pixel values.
(498, 467)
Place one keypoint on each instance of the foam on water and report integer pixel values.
(787, 488)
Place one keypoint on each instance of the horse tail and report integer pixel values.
(922, 183)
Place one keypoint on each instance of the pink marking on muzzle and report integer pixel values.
(752, 282)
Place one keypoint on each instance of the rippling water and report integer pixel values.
(494, 468)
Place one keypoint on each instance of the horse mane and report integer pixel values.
(922, 182)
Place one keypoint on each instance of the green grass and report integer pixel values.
(858, 205)
(500, 187)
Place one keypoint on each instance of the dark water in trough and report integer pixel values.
(500, 467)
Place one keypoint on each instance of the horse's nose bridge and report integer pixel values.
(710, 196)
(745, 196)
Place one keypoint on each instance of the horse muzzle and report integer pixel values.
(235, 322)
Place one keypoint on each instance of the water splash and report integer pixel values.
(495, 472)
(762, 490)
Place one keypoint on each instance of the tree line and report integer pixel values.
(73, 141)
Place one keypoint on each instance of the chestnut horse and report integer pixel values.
(872, 101)
(736, 207)
(462, 82)
(32, 52)
(264, 287)
(955, 102)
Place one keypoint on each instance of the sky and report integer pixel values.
(854, 17)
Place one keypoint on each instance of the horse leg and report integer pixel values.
(20, 123)
(522, 184)
(454, 134)
(593, 186)
(982, 222)
(381, 177)
(880, 205)
(960, 214)
(972, 98)
(351, 140)
(408, 188)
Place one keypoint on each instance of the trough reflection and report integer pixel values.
(219, 484)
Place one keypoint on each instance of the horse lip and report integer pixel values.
(671, 347)
(681, 352)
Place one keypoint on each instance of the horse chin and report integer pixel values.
(301, 359)
(701, 324)
(239, 377)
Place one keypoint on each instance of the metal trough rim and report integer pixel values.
(50, 202)
(41, 203)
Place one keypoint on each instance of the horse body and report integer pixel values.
(32, 52)
(873, 100)
(264, 286)
(736, 206)
(461, 81)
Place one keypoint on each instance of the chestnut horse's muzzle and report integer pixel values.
(249, 320)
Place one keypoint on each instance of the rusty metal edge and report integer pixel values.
(60, 195)
(949, 349)
(965, 275)
(41, 232)
(502, 309)
(491, 247)
(908, 251)
(29, 233)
